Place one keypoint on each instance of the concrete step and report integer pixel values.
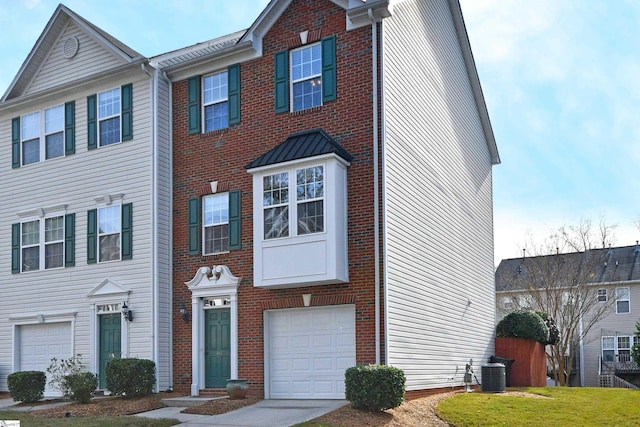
(188, 401)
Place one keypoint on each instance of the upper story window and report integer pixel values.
(602, 295)
(622, 300)
(43, 243)
(215, 103)
(110, 232)
(109, 116)
(617, 348)
(214, 100)
(215, 223)
(305, 210)
(43, 135)
(305, 77)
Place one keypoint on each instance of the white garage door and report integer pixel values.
(39, 343)
(308, 351)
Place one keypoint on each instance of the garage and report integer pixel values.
(39, 343)
(307, 351)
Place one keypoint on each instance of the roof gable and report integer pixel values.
(66, 41)
(301, 145)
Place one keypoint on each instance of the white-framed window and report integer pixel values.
(30, 138)
(306, 77)
(215, 101)
(617, 348)
(42, 243)
(109, 109)
(215, 223)
(54, 132)
(507, 303)
(109, 233)
(623, 300)
(305, 210)
(602, 295)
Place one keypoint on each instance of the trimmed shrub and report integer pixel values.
(27, 386)
(554, 332)
(374, 387)
(523, 324)
(82, 386)
(130, 377)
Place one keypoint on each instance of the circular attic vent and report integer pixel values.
(70, 47)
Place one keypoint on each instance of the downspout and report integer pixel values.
(164, 77)
(154, 223)
(376, 186)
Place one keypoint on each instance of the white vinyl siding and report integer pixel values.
(124, 169)
(440, 301)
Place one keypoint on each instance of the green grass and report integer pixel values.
(582, 407)
(28, 420)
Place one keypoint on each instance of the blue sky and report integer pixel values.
(560, 78)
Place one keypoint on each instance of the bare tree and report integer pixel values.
(565, 285)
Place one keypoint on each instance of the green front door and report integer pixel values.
(217, 347)
(109, 342)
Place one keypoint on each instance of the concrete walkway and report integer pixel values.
(266, 413)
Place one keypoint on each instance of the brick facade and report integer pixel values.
(221, 156)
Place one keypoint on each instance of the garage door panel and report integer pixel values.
(38, 344)
(320, 346)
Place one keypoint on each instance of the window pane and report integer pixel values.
(309, 183)
(607, 355)
(110, 247)
(31, 233)
(30, 126)
(54, 119)
(31, 258)
(276, 222)
(109, 221)
(622, 306)
(216, 116)
(306, 62)
(54, 145)
(30, 151)
(108, 103)
(110, 131)
(53, 229)
(216, 239)
(215, 88)
(307, 94)
(624, 343)
(310, 217)
(275, 189)
(53, 255)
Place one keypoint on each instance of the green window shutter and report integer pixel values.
(92, 236)
(194, 226)
(329, 86)
(194, 105)
(127, 112)
(70, 128)
(127, 231)
(235, 220)
(92, 122)
(70, 240)
(15, 142)
(234, 93)
(15, 248)
(282, 81)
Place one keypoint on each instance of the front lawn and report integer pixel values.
(563, 406)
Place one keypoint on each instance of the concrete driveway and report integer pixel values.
(266, 413)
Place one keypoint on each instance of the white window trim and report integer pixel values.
(628, 299)
(206, 104)
(615, 347)
(293, 201)
(41, 215)
(309, 77)
(204, 226)
(98, 234)
(42, 134)
(102, 119)
(605, 294)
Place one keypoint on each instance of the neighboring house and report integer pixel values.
(615, 278)
(332, 170)
(85, 218)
